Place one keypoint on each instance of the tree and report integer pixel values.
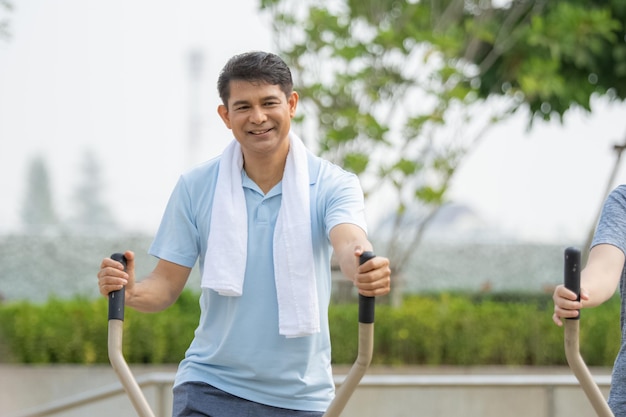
(5, 8)
(400, 92)
(38, 212)
(554, 54)
(564, 53)
(90, 211)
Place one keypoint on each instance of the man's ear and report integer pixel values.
(293, 103)
(222, 110)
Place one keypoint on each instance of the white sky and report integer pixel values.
(112, 76)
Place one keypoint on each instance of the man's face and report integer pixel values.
(259, 114)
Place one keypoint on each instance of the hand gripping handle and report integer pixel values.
(365, 351)
(115, 343)
(571, 272)
(571, 277)
(367, 305)
(116, 298)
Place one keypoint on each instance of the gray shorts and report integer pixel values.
(197, 399)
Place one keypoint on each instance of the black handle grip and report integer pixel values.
(367, 305)
(571, 276)
(116, 298)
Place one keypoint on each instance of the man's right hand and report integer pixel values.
(112, 277)
(566, 304)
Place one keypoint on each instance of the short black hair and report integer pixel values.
(255, 66)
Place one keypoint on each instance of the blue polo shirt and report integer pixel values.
(236, 346)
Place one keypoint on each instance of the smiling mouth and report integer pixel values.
(259, 132)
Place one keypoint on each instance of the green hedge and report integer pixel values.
(435, 329)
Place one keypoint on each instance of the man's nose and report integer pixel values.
(257, 115)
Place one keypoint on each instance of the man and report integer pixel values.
(603, 272)
(262, 219)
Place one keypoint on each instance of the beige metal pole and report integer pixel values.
(581, 371)
(116, 357)
(116, 328)
(364, 355)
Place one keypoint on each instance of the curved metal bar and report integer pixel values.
(116, 357)
(363, 360)
(123, 371)
(572, 268)
(365, 351)
(581, 371)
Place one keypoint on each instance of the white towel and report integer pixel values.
(294, 270)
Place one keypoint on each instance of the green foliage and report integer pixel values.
(450, 329)
(386, 101)
(75, 331)
(162, 337)
(400, 92)
(539, 50)
(54, 332)
(435, 329)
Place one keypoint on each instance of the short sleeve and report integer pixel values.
(177, 239)
(611, 228)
